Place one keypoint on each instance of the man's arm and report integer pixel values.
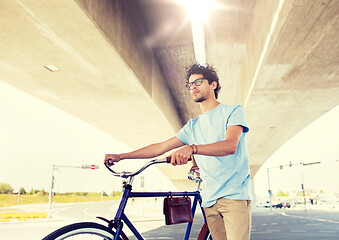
(222, 148)
(226, 147)
(149, 151)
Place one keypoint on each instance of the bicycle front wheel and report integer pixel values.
(84, 230)
(204, 233)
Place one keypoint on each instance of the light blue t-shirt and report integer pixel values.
(225, 176)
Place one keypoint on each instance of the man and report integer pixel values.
(217, 139)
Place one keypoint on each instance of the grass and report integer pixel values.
(21, 216)
(9, 202)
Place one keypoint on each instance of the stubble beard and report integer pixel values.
(200, 99)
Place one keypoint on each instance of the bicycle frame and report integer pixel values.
(120, 216)
(95, 229)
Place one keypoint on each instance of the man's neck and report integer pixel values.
(208, 105)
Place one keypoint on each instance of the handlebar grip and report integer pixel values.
(168, 159)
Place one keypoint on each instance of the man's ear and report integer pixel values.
(215, 84)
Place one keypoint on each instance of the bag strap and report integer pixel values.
(170, 197)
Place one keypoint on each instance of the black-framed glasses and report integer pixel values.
(196, 82)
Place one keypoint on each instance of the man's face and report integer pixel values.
(203, 91)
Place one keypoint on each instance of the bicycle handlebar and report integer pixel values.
(131, 174)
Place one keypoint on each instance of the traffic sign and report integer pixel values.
(90, 166)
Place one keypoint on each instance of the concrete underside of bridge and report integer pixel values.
(121, 64)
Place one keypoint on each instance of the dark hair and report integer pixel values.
(208, 72)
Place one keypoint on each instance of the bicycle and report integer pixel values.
(114, 229)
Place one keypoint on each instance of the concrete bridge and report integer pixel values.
(119, 64)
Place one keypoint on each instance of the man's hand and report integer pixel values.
(181, 156)
(110, 159)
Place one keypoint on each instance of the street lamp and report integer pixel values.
(56, 167)
(268, 177)
(269, 188)
(302, 179)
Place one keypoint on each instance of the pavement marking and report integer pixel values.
(298, 231)
(314, 224)
(327, 231)
(272, 230)
(267, 231)
(86, 212)
(161, 238)
(317, 219)
(55, 213)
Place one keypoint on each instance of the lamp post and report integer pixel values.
(269, 188)
(302, 180)
(269, 184)
(56, 167)
(50, 194)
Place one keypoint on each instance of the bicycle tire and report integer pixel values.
(204, 233)
(82, 231)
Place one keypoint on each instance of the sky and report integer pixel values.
(35, 135)
(318, 142)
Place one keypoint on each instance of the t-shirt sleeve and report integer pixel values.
(183, 134)
(238, 117)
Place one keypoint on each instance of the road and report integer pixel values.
(280, 224)
(266, 225)
(295, 224)
(145, 215)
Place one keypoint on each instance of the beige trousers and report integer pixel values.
(229, 219)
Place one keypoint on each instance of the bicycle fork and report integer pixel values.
(120, 217)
